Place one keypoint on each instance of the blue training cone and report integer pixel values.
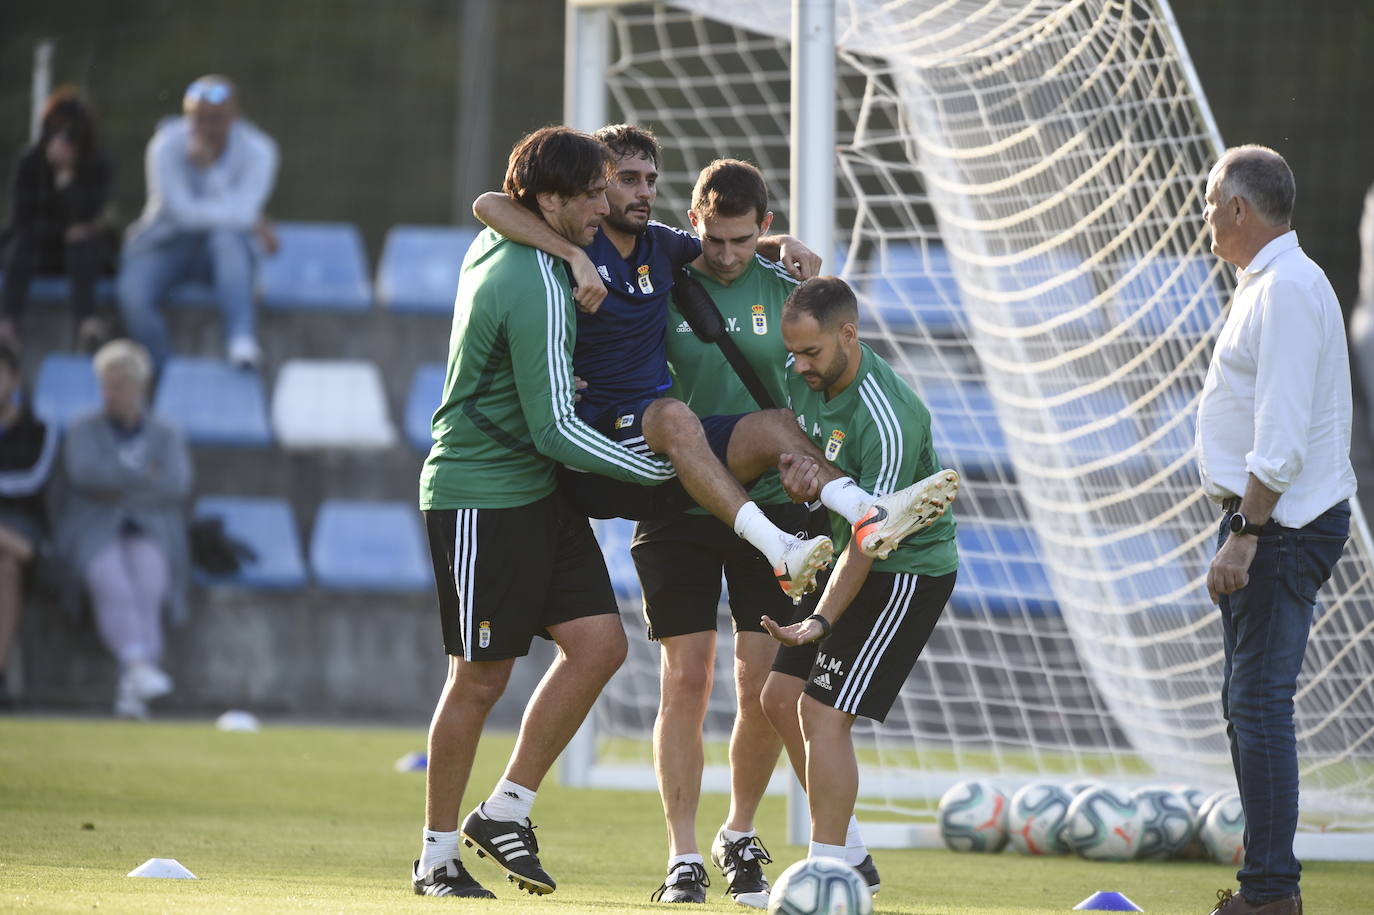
(1108, 902)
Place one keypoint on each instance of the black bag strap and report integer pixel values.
(706, 321)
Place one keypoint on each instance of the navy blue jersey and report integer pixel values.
(620, 350)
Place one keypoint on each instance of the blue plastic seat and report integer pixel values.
(214, 403)
(49, 287)
(1169, 289)
(66, 387)
(1069, 288)
(320, 265)
(1117, 439)
(370, 546)
(915, 290)
(968, 435)
(426, 390)
(1001, 572)
(268, 528)
(614, 535)
(419, 268)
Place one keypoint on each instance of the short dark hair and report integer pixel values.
(1262, 177)
(64, 112)
(828, 299)
(627, 140)
(730, 187)
(556, 160)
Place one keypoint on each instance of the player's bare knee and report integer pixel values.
(668, 422)
(779, 701)
(479, 685)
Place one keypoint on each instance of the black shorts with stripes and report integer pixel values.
(504, 575)
(602, 497)
(861, 666)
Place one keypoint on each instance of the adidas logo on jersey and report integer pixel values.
(684, 328)
(823, 680)
(605, 273)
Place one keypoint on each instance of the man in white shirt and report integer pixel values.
(209, 175)
(1273, 438)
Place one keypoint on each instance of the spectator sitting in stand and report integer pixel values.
(209, 175)
(121, 526)
(60, 189)
(27, 447)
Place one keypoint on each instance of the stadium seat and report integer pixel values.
(213, 402)
(370, 546)
(66, 387)
(914, 290)
(47, 287)
(966, 431)
(1070, 288)
(331, 404)
(268, 528)
(426, 389)
(614, 535)
(1169, 289)
(419, 268)
(320, 265)
(1001, 571)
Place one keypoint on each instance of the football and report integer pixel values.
(973, 817)
(1168, 822)
(1104, 825)
(820, 886)
(1036, 816)
(1223, 830)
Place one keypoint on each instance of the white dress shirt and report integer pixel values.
(1277, 398)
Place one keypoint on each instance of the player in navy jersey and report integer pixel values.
(620, 356)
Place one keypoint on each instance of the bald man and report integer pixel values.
(209, 175)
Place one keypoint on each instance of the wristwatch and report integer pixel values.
(1239, 525)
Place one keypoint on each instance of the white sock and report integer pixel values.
(854, 849)
(730, 835)
(508, 801)
(436, 848)
(673, 862)
(821, 850)
(753, 525)
(845, 498)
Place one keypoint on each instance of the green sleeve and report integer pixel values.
(540, 333)
(894, 445)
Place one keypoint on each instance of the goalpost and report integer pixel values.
(1017, 201)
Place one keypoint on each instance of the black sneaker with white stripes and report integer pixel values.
(511, 846)
(688, 884)
(870, 874)
(742, 863)
(447, 879)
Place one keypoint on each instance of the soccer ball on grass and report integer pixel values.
(820, 886)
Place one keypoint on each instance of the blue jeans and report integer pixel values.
(1264, 629)
(223, 257)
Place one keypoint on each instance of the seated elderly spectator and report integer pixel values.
(209, 175)
(57, 201)
(27, 448)
(121, 523)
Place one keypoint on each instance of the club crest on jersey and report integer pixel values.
(760, 318)
(484, 634)
(832, 447)
(624, 422)
(645, 286)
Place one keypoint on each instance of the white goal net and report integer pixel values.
(1019, 195)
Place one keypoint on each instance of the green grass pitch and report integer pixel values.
(315, 819)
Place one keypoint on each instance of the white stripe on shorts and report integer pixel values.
(465, 572)
(870, 653)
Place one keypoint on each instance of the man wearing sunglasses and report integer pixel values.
(209, 175)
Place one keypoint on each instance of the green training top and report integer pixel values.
(705, 381)
(506, 420)
(878, 432)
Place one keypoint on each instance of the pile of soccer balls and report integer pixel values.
(1096, 821)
